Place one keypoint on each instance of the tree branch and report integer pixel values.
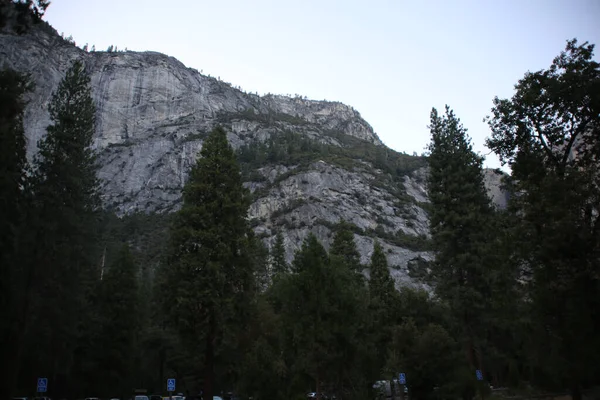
(596, 226)
(580, 129)
(540, 136)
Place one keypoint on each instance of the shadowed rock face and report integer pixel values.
(152, 116)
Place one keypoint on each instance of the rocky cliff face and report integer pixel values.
(153, 111)
(153, 114)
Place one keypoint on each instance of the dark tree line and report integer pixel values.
(524, 283)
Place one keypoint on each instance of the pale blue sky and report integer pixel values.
(390, 60)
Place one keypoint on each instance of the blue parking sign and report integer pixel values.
(479, 375)
(171, 385)
(42, 385)
(402, 378)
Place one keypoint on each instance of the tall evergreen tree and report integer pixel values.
(264, 372)
(65, 194)
(13, 275)
(343, 246)
(208, 280)
(548, 133)
(353, 373)
(305, 292)
(13, 162)
(278, 263)
(118, 324)
(259, 261)
(319, 314)
(459, 218)
(381, 284)
(383, 299)
(423, 348)
(428, 356)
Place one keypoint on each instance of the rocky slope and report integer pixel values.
(308, 163)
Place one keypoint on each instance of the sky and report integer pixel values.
(392, 60)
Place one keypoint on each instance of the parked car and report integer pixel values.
(313, 395)
(178, 396)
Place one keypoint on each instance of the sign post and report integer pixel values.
(170, 386)
(42, 386)
(402, 382)
(479, 376)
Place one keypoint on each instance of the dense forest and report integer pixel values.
(101, 305)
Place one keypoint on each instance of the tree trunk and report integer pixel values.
(18, 333)
(12, 349)
(161, 367)
(209, 359)
(576, 393)
(469, 353)
(319, 387)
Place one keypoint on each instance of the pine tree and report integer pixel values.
(65, 167)
(259, 261)
(22, 14)
(264, 373)
(13, 275)
(65, 198)
(428, 356)
(319, 314)
(548, 133)
(208, 282)
(353, 372)
(278, 263)
(13, 163)
(344, 246)
(383, 299)
(119, 324)
(423, 348)
(381, 284)
(459, 219)
(37, 7)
